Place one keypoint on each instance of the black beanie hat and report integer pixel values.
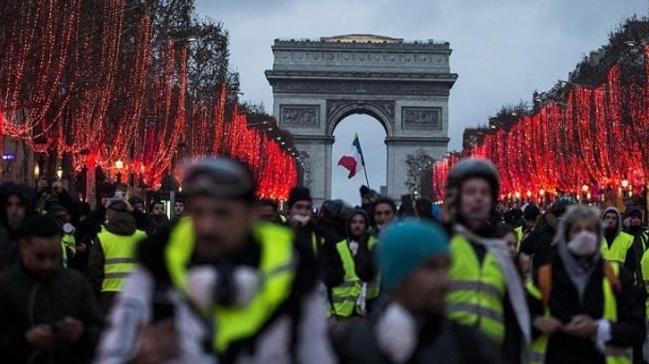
(634, 212)
(298, 194)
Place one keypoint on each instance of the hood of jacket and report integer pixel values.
(348, 225)
(619, 218)
(122, 223)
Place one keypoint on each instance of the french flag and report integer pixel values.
(354, 162)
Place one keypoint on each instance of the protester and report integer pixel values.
(267, 210)
(158, 217)
(617, 246)
(16, 203)
(486, 291)
(179, 209)
(384, 212)
(48, 314)
(112, 256)
(356, 288)
(253, 282)
(411, 328)
(584, 306)
(424, 209)
(539, 246)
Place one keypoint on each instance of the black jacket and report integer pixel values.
(26, 301)
(564, 304)
(439, 341)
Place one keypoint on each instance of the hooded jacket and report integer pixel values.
(8, 238)
(567, 301)
(632, 260)
(123, 223)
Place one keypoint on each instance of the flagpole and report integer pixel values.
(367, 180)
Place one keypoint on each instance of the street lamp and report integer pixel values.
(585, 188)
(37, 171)
(624, 183)
(119, 164)
(59, 172)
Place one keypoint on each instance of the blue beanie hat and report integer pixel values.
(406, 245)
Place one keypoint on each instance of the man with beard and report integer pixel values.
(486, 289)
(48, 314)
(384, 212)
(357, 284)
(411, 327)
(252, 281)
(179, 209)
(16, 203)
(159, 218)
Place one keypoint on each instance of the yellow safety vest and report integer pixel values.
(617, 252)
(68, 244)
(345, 295)
(277, 268)
(477, 290)
(644, 266)
(119, 258)
(519, 237)
(614, 356)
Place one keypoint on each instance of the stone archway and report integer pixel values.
(404, 85)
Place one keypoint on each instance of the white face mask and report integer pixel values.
(583, 244)
(302, 219)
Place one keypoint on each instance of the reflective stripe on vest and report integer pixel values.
(276, 265)
(477, 290)
(617, 251)
(345, 295)
(614, 355)
(119, 258)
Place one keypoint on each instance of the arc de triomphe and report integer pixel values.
(404, 85)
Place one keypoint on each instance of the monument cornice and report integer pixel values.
(272, 75)
(424, 47)
(443, 141)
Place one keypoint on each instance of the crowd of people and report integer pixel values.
(234, 279)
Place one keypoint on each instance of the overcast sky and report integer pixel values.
(503, 50)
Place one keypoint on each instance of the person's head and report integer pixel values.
(266, 210)
(17, 201)
(358, 224)
(115, 208)
(424, 209)
(531, 214)
(612, 219)
(580, 230)
(384, 212)
(472, 189)
(57, 187)
(137, 203)
(506, 232)
(59, 214)
(157, 208)
(16, 210)
(40, 245)
(219, 197)
(413, 260)
(635, 219)
(558, 209)
(300, 204)
(179, 208)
